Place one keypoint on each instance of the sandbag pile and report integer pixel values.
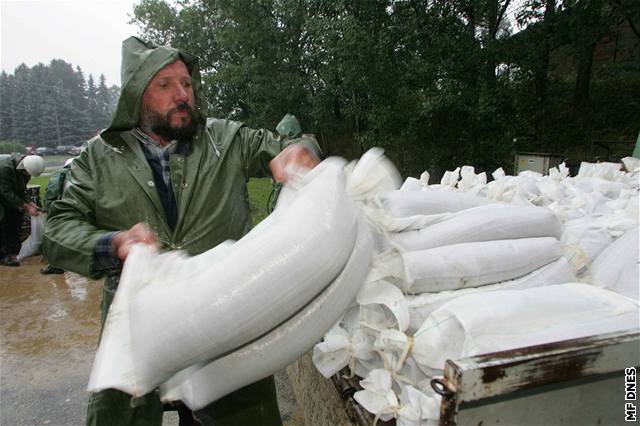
(397, 281)
(468, 267)
(254, 305)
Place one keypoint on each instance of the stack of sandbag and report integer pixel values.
(617, 267)
(483, 323)
(461, 271)
(255, 305)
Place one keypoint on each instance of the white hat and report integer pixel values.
(33, 164)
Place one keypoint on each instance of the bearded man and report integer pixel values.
(161, 174)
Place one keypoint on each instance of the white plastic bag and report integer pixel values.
(31, 246)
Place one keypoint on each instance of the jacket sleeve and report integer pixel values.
(71, 233)
(8, 195)
(258, 148)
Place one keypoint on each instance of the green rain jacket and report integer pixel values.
(112, 188)
(13, 184)
(55, 187)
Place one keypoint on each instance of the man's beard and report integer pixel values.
(160, 124)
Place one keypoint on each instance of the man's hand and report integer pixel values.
(293, 155)
(31, 209)
(139, 233)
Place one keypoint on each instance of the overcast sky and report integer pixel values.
(87, 33)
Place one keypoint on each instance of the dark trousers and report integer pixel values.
(255, 404)
(10, 232)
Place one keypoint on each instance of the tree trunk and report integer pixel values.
(490, 61)
(542, 72)
(583, 80)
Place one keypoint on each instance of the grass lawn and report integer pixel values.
(259, 190)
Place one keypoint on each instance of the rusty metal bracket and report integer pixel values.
(440, 387)
(344, 388)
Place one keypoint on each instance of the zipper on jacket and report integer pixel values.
(206, 129)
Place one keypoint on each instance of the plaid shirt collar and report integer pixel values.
(154, 146)
(157, 151)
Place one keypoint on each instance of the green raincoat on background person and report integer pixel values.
(112, 188)
(55, 187)
(13, 184)
(13, 196)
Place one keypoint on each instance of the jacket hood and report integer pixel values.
(141, 60)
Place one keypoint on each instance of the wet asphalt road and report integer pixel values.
(48, 335)
(49, 330)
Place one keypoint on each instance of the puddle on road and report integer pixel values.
(49, 327)
(45, 313)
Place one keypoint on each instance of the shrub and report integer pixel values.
(7, 147)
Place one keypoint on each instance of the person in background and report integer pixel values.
(15, 172)
(58, 182)
(288, 128)
(163, 175)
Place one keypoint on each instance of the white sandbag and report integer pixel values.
(604, 170)
(605, 187)
(422, 305)
(281, 346)
(388, 295)
(559, 173)
(31, 246)
(483, 223)
(450, 178)
(373, 174)
(588, 235)
(347, 344)
(286, 263)
(340, 349)
(631, 164)
(616, 268)
(500, 320)
(551, 190)
(412, 408)
(394, 347)
(411, 184)
(470, 180)
(464, 265)
(410, 203)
